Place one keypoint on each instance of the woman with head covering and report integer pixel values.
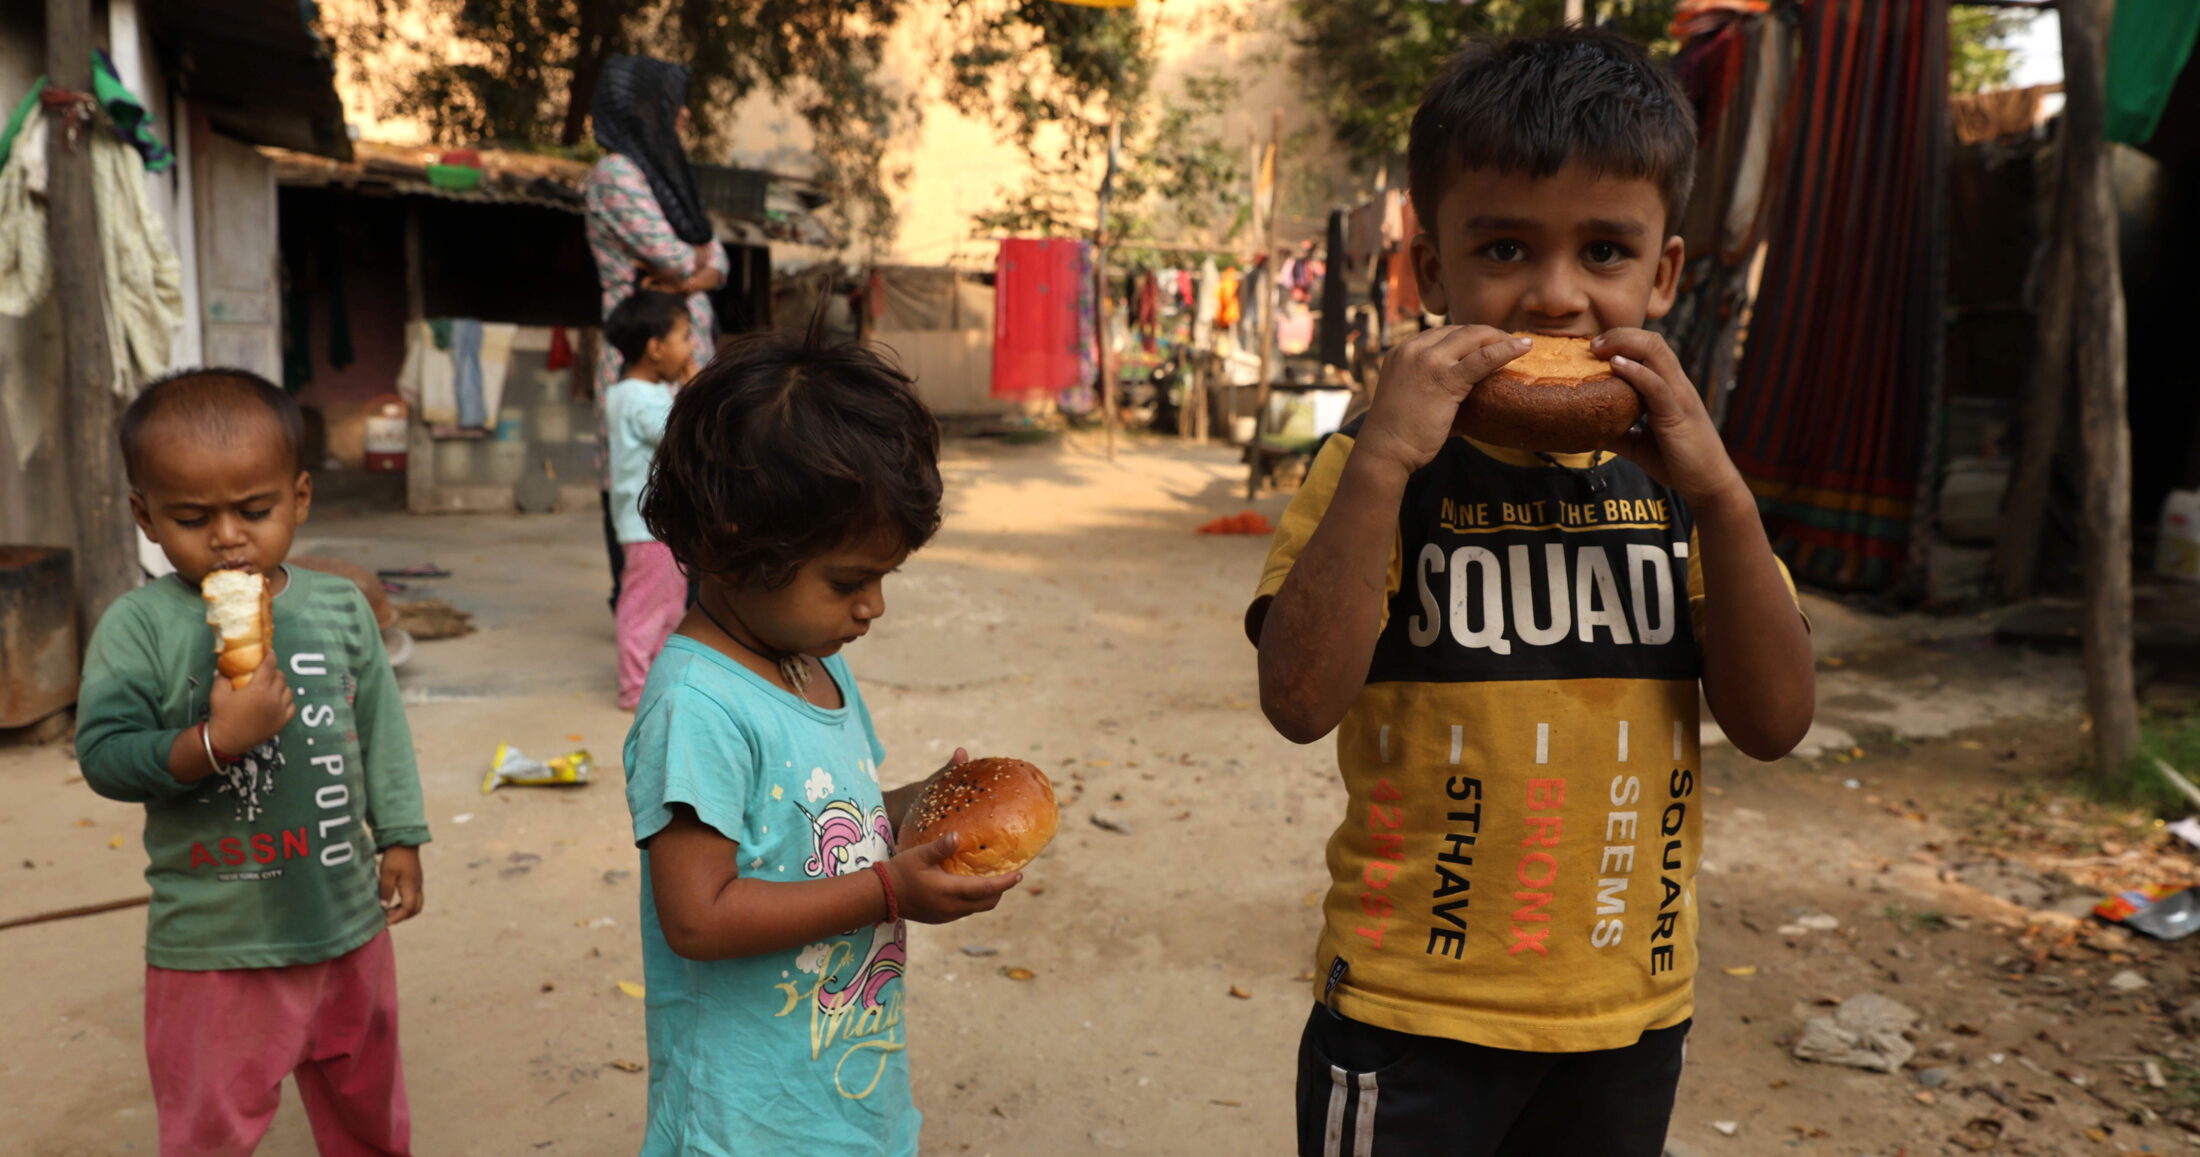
(646, 225)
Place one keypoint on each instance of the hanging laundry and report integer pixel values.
(1228, 310)
(142, 274)
(125, 113)
(1832, 433)
(1146, 309)
(2149, 43)
(1294, 329)
(496, 367)
(1042, 323)
(425, 381)
(473, 414)
(132, 121)
(1207, 305)
(561, 349)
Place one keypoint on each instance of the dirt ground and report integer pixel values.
(1917, 848)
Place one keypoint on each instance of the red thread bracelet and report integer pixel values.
(893, 906)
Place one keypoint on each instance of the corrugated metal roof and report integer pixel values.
(389, 170)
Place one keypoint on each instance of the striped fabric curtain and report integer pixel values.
(1833, 410)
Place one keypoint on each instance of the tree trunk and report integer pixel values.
(2105, 529)
(106, 547)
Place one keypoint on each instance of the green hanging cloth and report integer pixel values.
(15, 120)
(132, 121)
(2148, 45)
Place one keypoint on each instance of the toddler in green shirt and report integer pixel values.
(283, 817)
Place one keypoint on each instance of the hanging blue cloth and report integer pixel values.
(473, 408)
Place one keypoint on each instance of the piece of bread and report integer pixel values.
(240, 606)
(1004, 810)
(1555, 398)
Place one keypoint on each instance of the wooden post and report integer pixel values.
(1272, 307)
(1100, 286)
(2104, 424)
(106, 545)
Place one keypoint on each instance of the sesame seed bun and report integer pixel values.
(1556, 398)
(1003, 809)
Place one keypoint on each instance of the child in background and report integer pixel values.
(652, 333)
(267, 952)
(794, 479)
(1509, 645)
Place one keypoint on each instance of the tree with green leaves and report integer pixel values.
(1979, 56)
(1368, 60)
(520, 74)
(1051, 77)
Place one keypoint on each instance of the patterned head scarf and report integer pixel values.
(637, 103)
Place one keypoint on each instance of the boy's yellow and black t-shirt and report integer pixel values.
(1516, 866)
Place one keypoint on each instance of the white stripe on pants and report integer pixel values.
(1363, 1125)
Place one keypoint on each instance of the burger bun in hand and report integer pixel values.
(1001, 811)
(1557, 397)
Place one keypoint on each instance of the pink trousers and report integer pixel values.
(652, 600)
(220, 1043)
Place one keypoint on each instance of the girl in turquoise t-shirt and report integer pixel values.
(793, 478)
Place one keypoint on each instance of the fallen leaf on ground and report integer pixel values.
(632, 989)
(116, 842)
(1741, 970)
(626, 1066)
(1240, 993)
(1018, 973)
(547, 986)
(573, 738)
(86, 824)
